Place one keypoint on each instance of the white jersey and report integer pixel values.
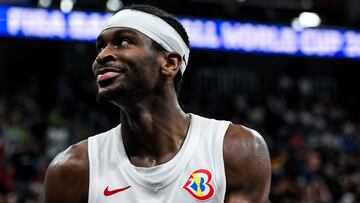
(195, 174)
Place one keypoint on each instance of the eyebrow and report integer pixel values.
(121, 32)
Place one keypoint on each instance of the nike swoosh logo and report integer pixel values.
(108, 192)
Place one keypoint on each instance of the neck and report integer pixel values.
(153, 130)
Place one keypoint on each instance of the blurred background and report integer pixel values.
(292, 76)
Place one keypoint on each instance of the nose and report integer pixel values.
(105, 56)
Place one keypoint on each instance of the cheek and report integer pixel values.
(147, 70)
(93, 66)
(147, 78)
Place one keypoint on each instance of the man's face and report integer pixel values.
(126, 66)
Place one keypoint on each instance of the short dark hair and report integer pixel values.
(173, 22)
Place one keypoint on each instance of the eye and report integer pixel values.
(122, 42)
(99, 47)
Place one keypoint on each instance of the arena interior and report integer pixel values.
(304, 101)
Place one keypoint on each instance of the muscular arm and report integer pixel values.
(247, 166)
(66, 179)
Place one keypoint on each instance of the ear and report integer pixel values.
(172, 65)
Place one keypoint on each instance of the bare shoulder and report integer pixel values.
(66, 178)
(247, 165)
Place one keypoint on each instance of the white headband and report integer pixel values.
(153, 27)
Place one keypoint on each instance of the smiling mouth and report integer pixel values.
(104, 76)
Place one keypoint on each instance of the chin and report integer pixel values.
(105, 96)
(122, 95)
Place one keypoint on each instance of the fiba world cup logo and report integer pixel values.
(199, 186)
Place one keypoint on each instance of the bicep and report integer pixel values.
(66, 180)
(248, 168)
(256, 194)
(233, 197)
(56, 189)
(252, 193)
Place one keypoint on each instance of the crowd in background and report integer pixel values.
(313, 140)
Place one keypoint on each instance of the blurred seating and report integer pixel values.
(313, 139)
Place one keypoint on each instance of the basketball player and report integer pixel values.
(158, 153)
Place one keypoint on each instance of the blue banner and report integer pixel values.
(204, 34)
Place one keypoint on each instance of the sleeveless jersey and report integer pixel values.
(195, 174)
